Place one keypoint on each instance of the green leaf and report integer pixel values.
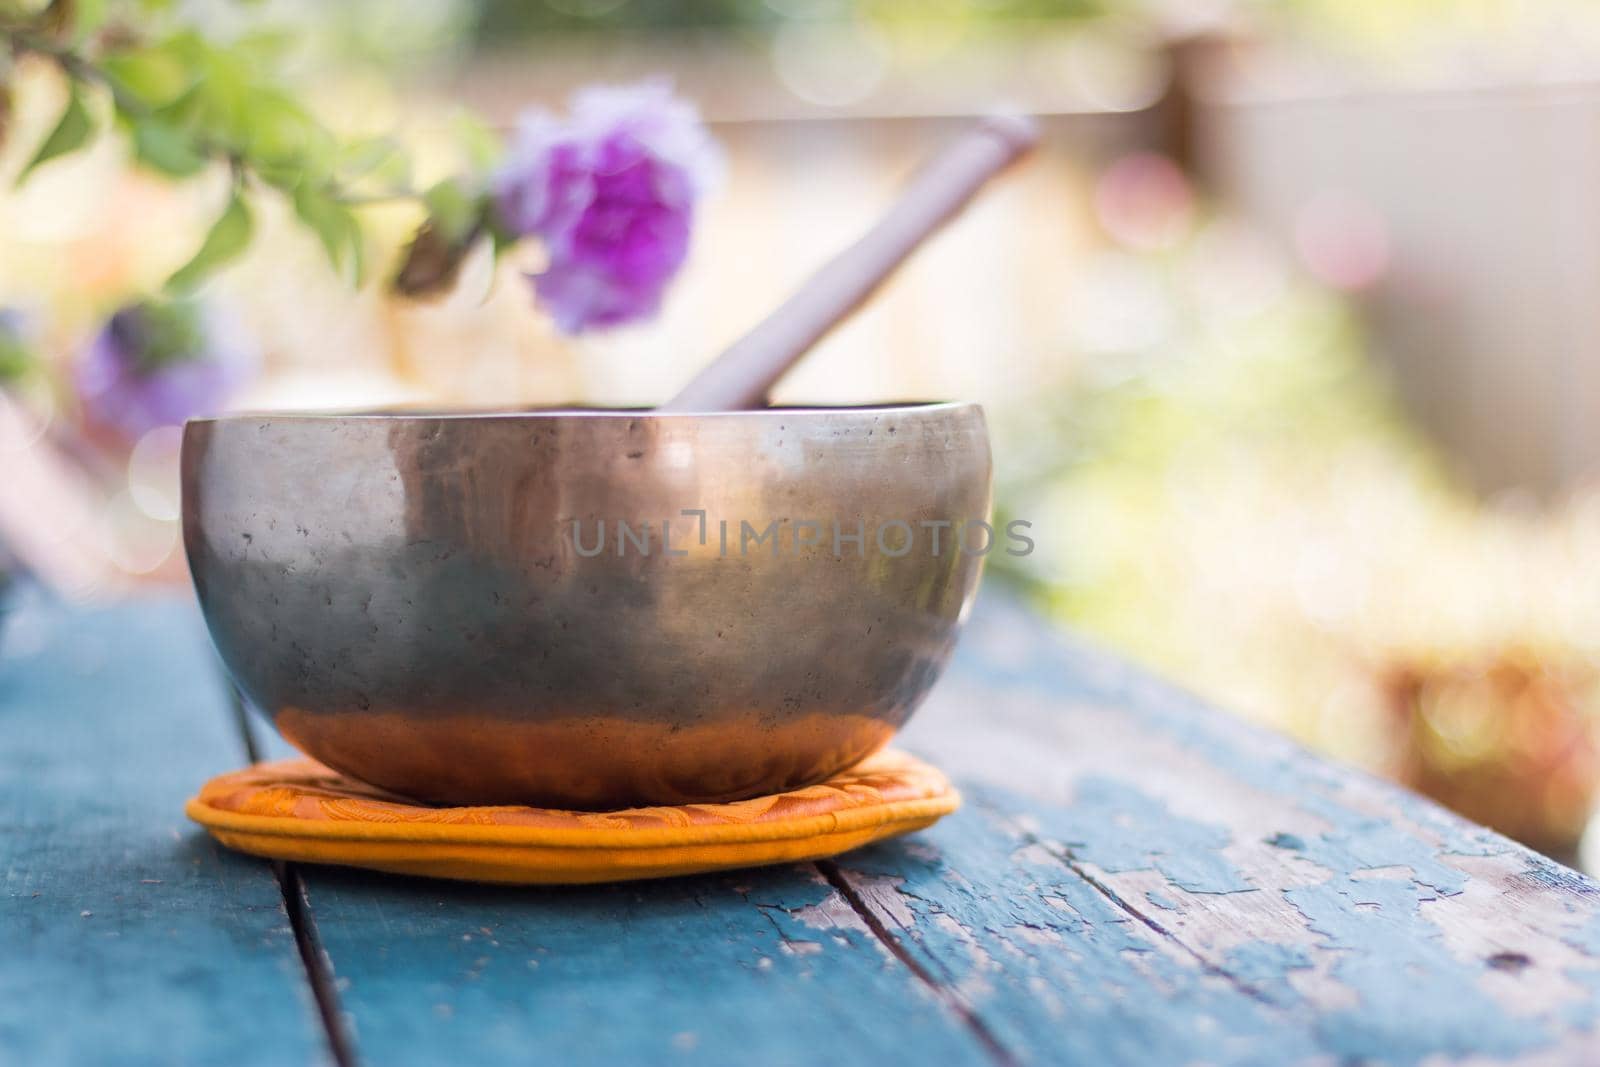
(285, 177)
(153, 77)
(229, 236)
(454, 211)
(279, 132)
(364, 154)
(358, 254)
(165, 148)
(335, 226)
(322, 214)
(379, 160)
(214, 106)
(267, 47)
(169, 333)
(15, 358)
(501, 239)
(73, 130)
(91, 16)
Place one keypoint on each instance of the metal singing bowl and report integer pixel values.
(417, 599)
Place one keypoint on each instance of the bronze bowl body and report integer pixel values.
(416, 599)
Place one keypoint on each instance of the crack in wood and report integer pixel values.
(319, 969)
(297, 905)
(946, 996)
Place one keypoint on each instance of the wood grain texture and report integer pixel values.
(767, 966)
(126, 936)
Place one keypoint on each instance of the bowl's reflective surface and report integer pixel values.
(416, 600)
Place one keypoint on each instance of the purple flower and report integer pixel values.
(157, 364)
(611, 191)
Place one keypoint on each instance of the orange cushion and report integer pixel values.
(301, 810)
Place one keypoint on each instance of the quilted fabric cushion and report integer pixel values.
(301, 810)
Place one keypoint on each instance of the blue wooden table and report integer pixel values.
(1135, 879)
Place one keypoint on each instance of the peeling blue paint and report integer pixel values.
(1586, 938)
(1265, 967)
(1417, 999)
(1580, 1014)
(1360, 842)
(1160, 900)
(1117, 827)
(1392, 957)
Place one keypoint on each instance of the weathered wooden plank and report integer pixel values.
(127, 936)
(1058, 972)
(767, 966)
(1366, 920)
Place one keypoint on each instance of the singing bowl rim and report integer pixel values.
(576, 412)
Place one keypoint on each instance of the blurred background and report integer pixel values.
(1289, 336)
